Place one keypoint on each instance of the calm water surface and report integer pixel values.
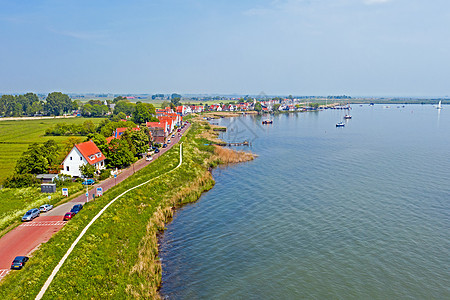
(361, 212)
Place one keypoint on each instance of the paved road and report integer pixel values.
(28, 236)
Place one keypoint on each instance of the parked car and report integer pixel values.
(168, 141)
(30, 215)
(173, 135)
(19, 262)
(45, 207)
(69, 216)
(179, 130)
(148, 158)
(165, 146)
(76, 208)
(156, 150)
(89, 181)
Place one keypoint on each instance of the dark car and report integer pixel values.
(69, 216)
(19, 262)
(156, 150)
(179, 130)
(165, 146)
(76, 208)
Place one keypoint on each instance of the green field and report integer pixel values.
(15, 136)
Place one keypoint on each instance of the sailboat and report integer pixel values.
(439, 105)
(348, 116)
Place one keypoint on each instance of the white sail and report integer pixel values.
(439, 105)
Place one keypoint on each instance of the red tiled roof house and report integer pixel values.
(82, 154)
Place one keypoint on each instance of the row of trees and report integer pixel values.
(72, 129)
(14, 106)
(29, 104)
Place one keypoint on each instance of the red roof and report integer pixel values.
(90, 150)
(156, 124)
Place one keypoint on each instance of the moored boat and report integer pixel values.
(340, 124)
(267, 122)
(347, 117)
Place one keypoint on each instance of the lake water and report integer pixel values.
(360, 212)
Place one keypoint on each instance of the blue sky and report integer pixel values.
(300, 47)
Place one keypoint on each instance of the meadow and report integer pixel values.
(15, 136)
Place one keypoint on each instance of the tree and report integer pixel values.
(120, 154)
(258, 107)
(137, 140)
(126, 107)
(32, 161)
(176, 101)
(87, 170)
(58, 103)
(119, 98)
(143, 112)
(165, 104)
(276, 107)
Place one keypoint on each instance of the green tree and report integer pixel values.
(144, 112)
(57, 103)
(120, 154)
(165, 104)
(258, 107)
(276, 107)
(87, 170)
(119, 98)
(176, 101)
(32, 161)
(126, 107)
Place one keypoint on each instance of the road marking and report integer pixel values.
(63, 259)
(3, 273)
(44, 223)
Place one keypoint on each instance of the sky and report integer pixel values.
(279, 47)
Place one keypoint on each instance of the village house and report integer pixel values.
(159, 131)
(82, 154)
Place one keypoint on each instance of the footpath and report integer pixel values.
(27, 237)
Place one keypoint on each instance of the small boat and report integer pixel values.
(340, 124)
(267, 122)
(439, 105)
(347, 117)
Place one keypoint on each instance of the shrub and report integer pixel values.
(104, 174)
(20, 181)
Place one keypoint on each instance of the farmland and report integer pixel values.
(15, 136)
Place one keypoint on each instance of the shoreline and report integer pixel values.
(221, 157)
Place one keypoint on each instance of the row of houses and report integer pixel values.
(89, 153)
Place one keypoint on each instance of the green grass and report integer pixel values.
(15, 136)
(15, 202)
(111, 260)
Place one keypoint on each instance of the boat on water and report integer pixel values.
(267, 122)
(347, 117)
(340, 124)
(439, 105)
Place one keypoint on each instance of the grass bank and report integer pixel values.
(117, 257)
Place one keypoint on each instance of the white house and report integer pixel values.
(82, 154)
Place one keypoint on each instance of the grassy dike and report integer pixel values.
(117, 258)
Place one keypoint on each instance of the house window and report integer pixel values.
(71, 158)
(81, 158)
(67, 168)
